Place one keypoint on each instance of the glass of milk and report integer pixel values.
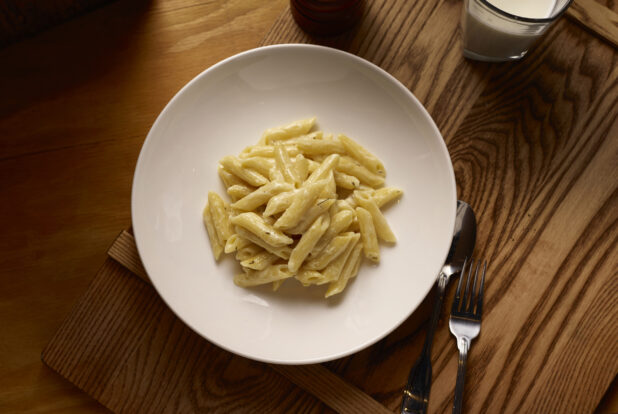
(503, 30)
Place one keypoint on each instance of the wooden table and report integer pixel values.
(533, 144)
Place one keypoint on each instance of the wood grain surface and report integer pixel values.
(534, 149)
(75, 105)
(599, 18)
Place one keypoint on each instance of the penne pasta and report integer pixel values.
(290, 130)
(303, 200)
(285, 166)
(304, 204)
(313, 165)
(351, 201)
(235, 243)
(228, 178)
(233, 165)
(256, 225)
(383, 230)
(309, 277)
(262, 195)
(352, 167)
(301, 167)
(271, 273)
(320, 147)
(279, 203)
(275, 174)
(368, 235)
(308, 241)
(247, 252)
(360, 154)
(333, 249)
(316, 135)
(220, 217)
(322, 170)
(259, 261)
(282, 252)
(330, 191)
(338, 223)
(321, 206)
(215, 243)
(349, 271)
(277, 284)
(334, 269)
(259, 164)
(349, 182)
(385, 195)
(267, 151)
(238, 191)
(343, 205)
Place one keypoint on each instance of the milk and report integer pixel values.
(535, 9)
(490, 36)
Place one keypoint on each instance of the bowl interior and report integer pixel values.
(225, 109)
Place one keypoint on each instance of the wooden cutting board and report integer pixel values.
(534, 151)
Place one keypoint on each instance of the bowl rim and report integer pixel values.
(262, 49)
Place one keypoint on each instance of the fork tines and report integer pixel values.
(471, 304)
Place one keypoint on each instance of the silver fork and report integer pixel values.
(465, 322)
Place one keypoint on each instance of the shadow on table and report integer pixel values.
(69, 54)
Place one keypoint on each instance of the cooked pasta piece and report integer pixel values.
(346, 181)
(282, 252)
(233, 165)
(334, 269)
(247, 252)
(262, 195)
(290, 130)
(349, 271)
(285, 166)
(383, 230)
(320, 206)
(259, 277)
(303, 200)
(352, 167)
(259, 261)
(215, 243)
(235, 243)
(333, 249)
(259, 164)
(309, 277)
(366, 158)
(279, 203)
(255, 224)
(323, 169)
(220, 216)
(238, 191)
(385, 195)
(277, 284)
(308, 241)
(320, 147)
(301, 167)
(338, 223)
(368, 235)
(228, 178)
(267, 151)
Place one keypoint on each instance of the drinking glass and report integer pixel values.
(494, 35)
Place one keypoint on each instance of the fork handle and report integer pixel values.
(416, 393)
(464, 345)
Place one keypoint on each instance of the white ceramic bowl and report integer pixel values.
(226, 108)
